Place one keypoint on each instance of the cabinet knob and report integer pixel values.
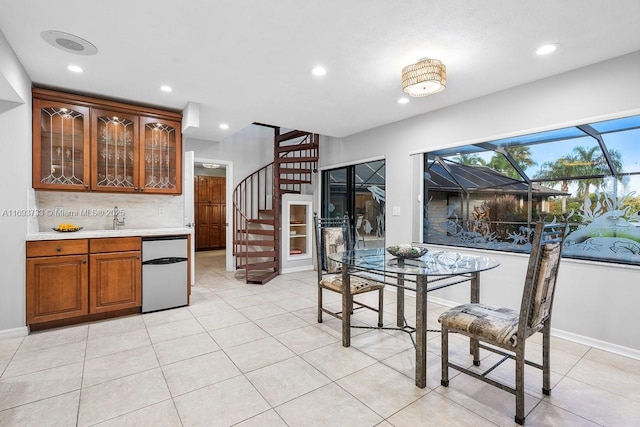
(141, 188)
(137, 256)
(58, 248)
(135, 188)
(86, 186)
(84, 261)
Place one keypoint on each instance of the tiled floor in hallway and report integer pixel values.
(251, 355)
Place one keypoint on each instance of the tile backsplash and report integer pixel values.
(94, 211)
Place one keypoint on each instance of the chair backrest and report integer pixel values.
(332, 235)
(542, 272)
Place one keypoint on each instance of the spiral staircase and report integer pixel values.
(257, 203)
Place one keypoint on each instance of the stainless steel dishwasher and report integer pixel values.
(164, 272)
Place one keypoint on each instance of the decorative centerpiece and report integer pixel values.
(67, 228)
(406, 251)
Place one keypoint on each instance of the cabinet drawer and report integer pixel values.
(57, 247)
(115, 244)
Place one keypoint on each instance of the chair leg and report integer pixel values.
(444, 334)
(319, 304)
(380, 305)
(519, 418)
(546, 367)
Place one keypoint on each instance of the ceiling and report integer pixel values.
(249, 61)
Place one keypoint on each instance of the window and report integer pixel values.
(358, 190)
(488, 195)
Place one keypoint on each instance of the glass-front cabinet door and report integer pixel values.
(60, 146)
(160, 156)
(115, 157)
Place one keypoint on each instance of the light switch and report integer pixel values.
(395, 211)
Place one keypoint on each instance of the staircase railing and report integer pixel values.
(259, 195)
(249, 198)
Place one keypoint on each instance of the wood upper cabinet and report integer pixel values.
(116, 151)
(82, 143)
(60, 145)
(115, 274)
(160, 156)
(57, 280)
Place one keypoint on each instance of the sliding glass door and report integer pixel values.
(359, 191)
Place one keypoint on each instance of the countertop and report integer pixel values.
(125, 232)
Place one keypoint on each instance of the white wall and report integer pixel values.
(249, 149)
(15, 173)
(598, 302)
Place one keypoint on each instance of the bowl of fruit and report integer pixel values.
(67, 228)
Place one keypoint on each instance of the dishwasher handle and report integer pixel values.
(164, 261)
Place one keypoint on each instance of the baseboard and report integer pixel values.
(592, 342)
(296, 269)
(22, 331)
(569, 336)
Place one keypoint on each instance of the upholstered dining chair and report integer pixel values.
(333, 235)
(507, 329)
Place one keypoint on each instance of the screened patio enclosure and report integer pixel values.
(487, 195)
(358, 190)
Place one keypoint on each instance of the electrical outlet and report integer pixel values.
(396, 211)
(160, 210)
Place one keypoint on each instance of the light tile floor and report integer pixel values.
(252, 355)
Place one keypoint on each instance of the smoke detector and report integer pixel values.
(68, 42)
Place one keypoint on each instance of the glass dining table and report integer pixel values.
(433, 270)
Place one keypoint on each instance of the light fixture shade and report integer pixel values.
(424, 78)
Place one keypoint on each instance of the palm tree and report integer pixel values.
(470, 160)
(591, 161)
(559, 171)
(522, 156)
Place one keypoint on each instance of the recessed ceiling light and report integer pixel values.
(547, 49)
(403, 100)
(68, 42)
(75, 68)
(318, 71)
(165, 88)
(224, 126)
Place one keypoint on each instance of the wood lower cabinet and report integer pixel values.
(210, 212)
(69, 279)
(57, 288)
(115, 274)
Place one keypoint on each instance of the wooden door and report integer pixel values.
(115, 281)
(203, 195)
(210, 212)
(202, 226)
(57, 288)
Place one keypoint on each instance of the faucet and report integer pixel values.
(118, 218)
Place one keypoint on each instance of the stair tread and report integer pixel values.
(294, 171)
(297, 147)
(295, 181)
(257, 254)
(270, 243)
(292, 135)
(297, 159)
(260, 265)
(260, 231)
(261, 279)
